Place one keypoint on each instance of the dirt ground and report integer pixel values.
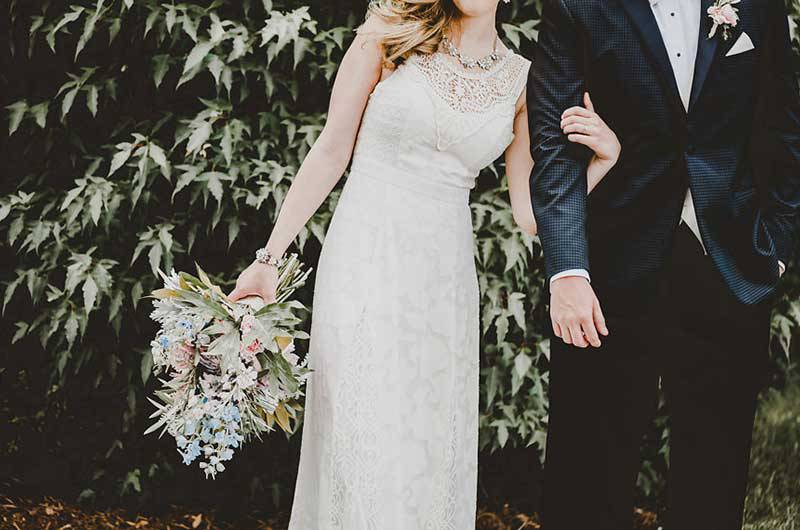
(53, 514)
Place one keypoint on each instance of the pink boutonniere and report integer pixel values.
(724, 16)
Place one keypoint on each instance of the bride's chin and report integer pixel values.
(475, 8)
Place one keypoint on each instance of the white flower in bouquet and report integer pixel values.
(228, 371)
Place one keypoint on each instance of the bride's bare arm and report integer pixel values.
(358, 74)
(360, 70)
(518, 170)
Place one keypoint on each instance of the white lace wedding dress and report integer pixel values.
(391, 428)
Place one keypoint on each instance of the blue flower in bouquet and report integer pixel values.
(187, 327)
(164, 341)
(191, 453)
(231, 414)
(234, 440)
(237, 439)
(205, 434)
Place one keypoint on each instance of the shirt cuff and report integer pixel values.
(582, 273)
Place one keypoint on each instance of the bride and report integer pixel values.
(426, 96)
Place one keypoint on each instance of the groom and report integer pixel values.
(683, 244)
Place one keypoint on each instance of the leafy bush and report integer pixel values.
(147, 134)
(774, 500)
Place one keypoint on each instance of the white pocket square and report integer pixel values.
(743, 44)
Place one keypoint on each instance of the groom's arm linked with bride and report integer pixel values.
(683, 242)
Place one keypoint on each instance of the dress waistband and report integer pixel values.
(413, 182)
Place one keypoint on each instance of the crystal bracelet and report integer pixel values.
(263, 256)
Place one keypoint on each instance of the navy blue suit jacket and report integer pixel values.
(737, 148)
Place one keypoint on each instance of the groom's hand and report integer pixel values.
(575, 312)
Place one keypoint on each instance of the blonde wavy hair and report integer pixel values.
(412, 26)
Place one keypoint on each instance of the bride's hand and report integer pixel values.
(585, 126)
(258, 279)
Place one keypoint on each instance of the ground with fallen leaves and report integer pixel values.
(53, 514)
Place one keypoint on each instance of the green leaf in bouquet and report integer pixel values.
(278, 309)
(263, 360)
(190, 281)
(282, 417)
(220, 327)
(269, 419)
(265, 332)
(164, 293)
(285, 373)
(183, 283)
(283, 342)
(227, 348)
(161, 419)
(195, 293)
(212, 287)
(203, 277)
(294, 405)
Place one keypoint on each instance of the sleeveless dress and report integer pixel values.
(390, 440)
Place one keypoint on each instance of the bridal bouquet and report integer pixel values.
(228, 371)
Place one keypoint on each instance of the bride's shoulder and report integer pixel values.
(523, 62)
(519, 66)
(517, 60)
(518, 69)
(374, 27)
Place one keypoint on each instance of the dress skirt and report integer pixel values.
(390, 439)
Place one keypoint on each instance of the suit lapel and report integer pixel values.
(706, 52)
(641, 16)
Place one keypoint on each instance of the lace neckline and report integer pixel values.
(442, 57)
(464, 101)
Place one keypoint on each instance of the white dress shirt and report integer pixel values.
(679, 23)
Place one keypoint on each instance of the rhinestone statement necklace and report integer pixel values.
(485, 63)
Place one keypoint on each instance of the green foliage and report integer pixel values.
(147, 134)
(774, 500)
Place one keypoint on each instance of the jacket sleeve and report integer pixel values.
(782, 127)
(558, 180)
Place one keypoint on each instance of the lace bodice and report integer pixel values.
(438, 123)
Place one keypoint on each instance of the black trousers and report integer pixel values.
(709, 353)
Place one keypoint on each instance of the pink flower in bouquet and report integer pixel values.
(254, 346)
(248, 321)
(250, 357)
(183, 357)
